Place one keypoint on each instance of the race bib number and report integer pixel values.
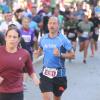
(50, 72)
(27, 38)
(85, 34)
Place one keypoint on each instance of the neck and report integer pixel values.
(56, 15)
(86, 21)
(52, 35)
(33, 14)
(11, 49)
(26, 28)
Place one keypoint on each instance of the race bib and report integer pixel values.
(27, 38)
(50, 72)
(85, 34)
(71, 35)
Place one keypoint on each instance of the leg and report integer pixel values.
(81, 43)
(47, 95)
(95, 42)
(59, 86)
(92, 47)
(96, 46)
(57, 98)
(86, 44)
(46, 87)
(81, 46)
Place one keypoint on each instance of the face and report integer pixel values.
(25, 23)
(33, 10)
(56, 11)
(45, 8)
(20, 15)
(53, 25)
(8, 16)
(12, 39)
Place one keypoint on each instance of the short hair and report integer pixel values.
(15, 29)
(26, 17)
(54, 18)
(19, 10)
(11, 26)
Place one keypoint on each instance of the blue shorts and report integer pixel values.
(82, 39)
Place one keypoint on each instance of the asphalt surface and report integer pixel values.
(83, 79)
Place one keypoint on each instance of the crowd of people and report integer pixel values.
(79, 21)
(60, 32)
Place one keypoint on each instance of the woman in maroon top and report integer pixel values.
(12, 62)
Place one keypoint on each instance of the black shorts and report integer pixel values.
(95, 37)
(56, 85)
(11, 96)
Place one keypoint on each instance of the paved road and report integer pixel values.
(83, 79)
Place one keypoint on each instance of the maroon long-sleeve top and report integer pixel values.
(11, 69)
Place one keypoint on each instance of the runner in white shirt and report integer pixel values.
(8, 19)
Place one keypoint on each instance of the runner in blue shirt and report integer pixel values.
(56, 47)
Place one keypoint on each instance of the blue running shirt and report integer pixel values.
(49, 44)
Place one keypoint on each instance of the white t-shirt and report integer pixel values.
(4, 26)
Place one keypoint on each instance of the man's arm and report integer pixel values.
(67, 55)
